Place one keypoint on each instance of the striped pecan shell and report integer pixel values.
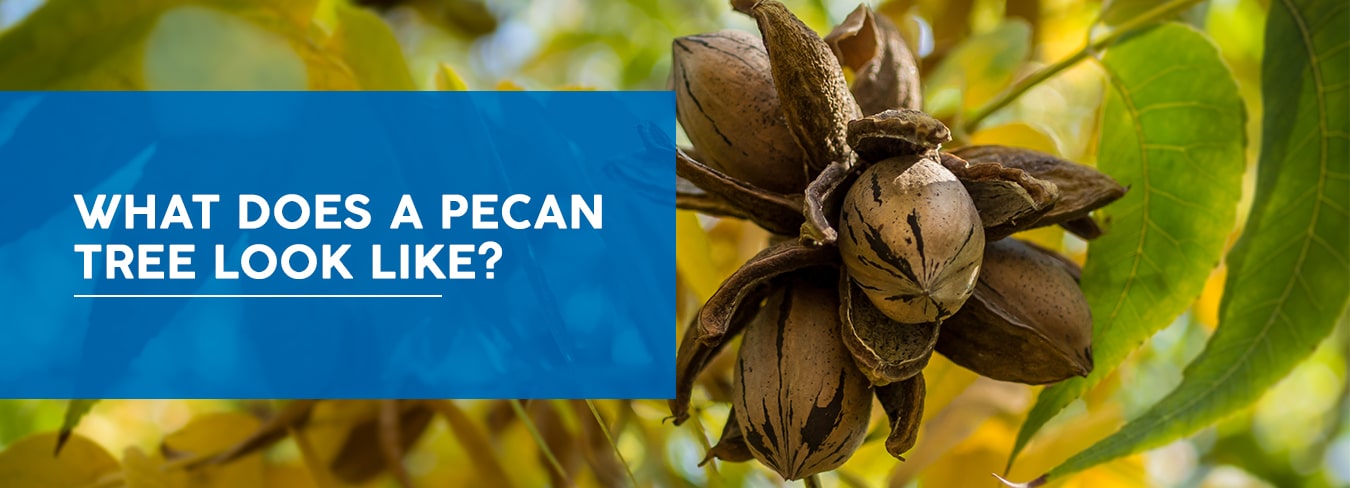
(801, 403)
(726, 102)
(911, 239)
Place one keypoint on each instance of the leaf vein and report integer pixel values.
(1126, 97)
(1332, 250)
(1178, 200)
(1185, 148)
(1293, 240)
(1335, 206)
(1312, 297)
(1296, 202)
(1333, 50)
(1168, 237)
(1178, 105)
(1152, 78)
(1330, 16)
(1252, 307)
(1312, 136)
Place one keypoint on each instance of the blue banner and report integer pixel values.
(337, 245)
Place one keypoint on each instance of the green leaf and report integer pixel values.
(1173, 131)
(369, 48)
(168, 44)
(196, 48)
(75, 410)
(1286, 283)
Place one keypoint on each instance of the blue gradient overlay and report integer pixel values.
(569, 313)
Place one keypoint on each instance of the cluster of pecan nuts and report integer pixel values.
(884, 240)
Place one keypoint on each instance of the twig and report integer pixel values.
(1012, 94)
(605, 429)
(391, 447)
(539, 439)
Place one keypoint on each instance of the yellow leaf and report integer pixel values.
(325, 15)
(1056, 444)
(315, 470)
(331, 422)
(75, 410)
(287, 476)
(211, 434)
(733, 242)
(485, 458)
(508, 85)
(1104, 392)
(1017, 134)
(448, 80)
(29, 462)
(1124, 473)
(142, 471)
(1207, 306)
(1051, 237)
(299, 13)
(342, 436)
(693, 257)
(973, 462)
(945, 381)
(965, 417)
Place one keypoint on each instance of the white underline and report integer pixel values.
(258, 296)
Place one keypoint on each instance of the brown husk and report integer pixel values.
(1009, 199)
(815, 97)
(903, 403)
(885, 350)
(824, 197)
(1082, 189)
(731, 446)
(896, 133)
(885, 73)
(1027, 322)
(775, 212)
(731, 307)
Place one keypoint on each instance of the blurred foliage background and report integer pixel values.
(971, 50)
